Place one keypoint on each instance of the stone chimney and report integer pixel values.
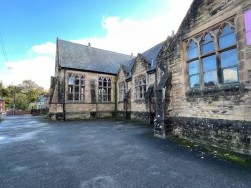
(89, 44)
(173, 33)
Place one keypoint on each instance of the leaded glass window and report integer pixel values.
(104, 90)
(140, 87)
(214, 61)
(192, 51)
(76, 88)
(208, 44)
(121, 91)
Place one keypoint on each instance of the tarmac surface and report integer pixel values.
(103, 154)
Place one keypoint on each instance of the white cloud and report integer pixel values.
(131, 35)
(122, 35)
(48, 48)
(38, 68)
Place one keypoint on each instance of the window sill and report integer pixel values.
(140, 100)
(234, 87)
(75, 102)
(105, 102)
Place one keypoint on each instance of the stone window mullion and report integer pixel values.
(217, 53)
(212, 65)
(201, 66)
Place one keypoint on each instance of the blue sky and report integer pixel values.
(29, 29)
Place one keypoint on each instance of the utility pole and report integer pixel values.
(14, 100)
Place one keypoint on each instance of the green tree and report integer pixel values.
(31, 90)
(6, 94)
(21, 102)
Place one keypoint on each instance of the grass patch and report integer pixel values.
(240, 159)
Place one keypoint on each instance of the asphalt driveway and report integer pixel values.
(103, 153)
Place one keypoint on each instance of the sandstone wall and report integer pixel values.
(195, 114)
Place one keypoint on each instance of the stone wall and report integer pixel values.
(140, 107)
(226, 102)
(220, 116)
(121, 80)
(226, 134)
(86, 109)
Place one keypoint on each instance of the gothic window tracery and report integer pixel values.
(213, 60)
(104, 90)
(76, 88)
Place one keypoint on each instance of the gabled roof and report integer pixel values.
(1, 99)
(77, 56)
(149, 56)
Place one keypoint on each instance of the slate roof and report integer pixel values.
(77, 56)
(150, 56)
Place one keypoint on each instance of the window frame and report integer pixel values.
(122, 91)
(215, 32)
(75, 87)
(104, 89)
(140, 87)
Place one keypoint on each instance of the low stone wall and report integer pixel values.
(39, 112)
(144, 117)
(79, 115)
(231, 135)
(18, 112)
(124, 114)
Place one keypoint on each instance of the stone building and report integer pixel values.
(209, 65)
(195, 85)
(136, 83)
(84, 85)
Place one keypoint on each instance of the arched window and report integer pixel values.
(140, 87)
(122, 91)
(208, 44)
(193, 64)
(104, 91)
(82, 88)
(214, 65)
(71, 81)
(208, 58)
(76, 89)
(192, 50)
(227, 37)
(228, 55)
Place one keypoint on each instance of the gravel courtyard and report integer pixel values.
(103, 153)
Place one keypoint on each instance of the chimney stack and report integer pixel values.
(89, 44)
(172, 33)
